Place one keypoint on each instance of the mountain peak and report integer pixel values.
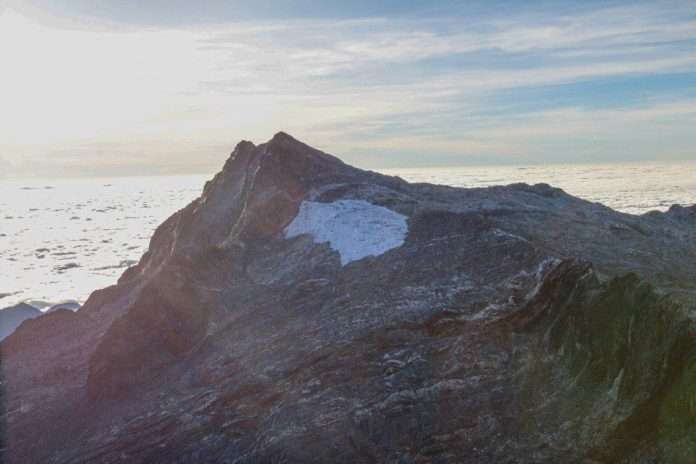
(286, 145)
(282, 136)
(281, 150)
(301, 302)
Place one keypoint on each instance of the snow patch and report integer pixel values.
(354, 228)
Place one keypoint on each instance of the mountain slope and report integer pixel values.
(302, 310)
(12, 317)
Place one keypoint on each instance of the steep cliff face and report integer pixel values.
(302, 310)
(599, 378)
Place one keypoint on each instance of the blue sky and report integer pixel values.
(132, 87)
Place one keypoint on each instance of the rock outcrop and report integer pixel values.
(302, 310)
(12, 317)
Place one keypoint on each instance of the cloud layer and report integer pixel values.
(85, 95)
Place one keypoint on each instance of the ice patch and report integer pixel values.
(354, 228)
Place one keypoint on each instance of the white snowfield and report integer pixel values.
(354, 228)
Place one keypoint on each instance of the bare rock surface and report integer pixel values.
(513, 324)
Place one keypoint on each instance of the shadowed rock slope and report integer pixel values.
(13, 316)
(511, 324)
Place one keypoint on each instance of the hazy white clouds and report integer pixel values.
(162, 98)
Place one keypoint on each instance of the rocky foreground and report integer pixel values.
(302, 310)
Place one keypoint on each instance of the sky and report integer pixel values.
(96, 87)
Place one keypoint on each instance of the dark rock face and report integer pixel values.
(511, 324)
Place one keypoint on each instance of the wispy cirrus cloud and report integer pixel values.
(453, 87)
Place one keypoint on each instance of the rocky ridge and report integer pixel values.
(13, 316)
(509, 324)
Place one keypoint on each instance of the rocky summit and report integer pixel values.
(305, 311)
